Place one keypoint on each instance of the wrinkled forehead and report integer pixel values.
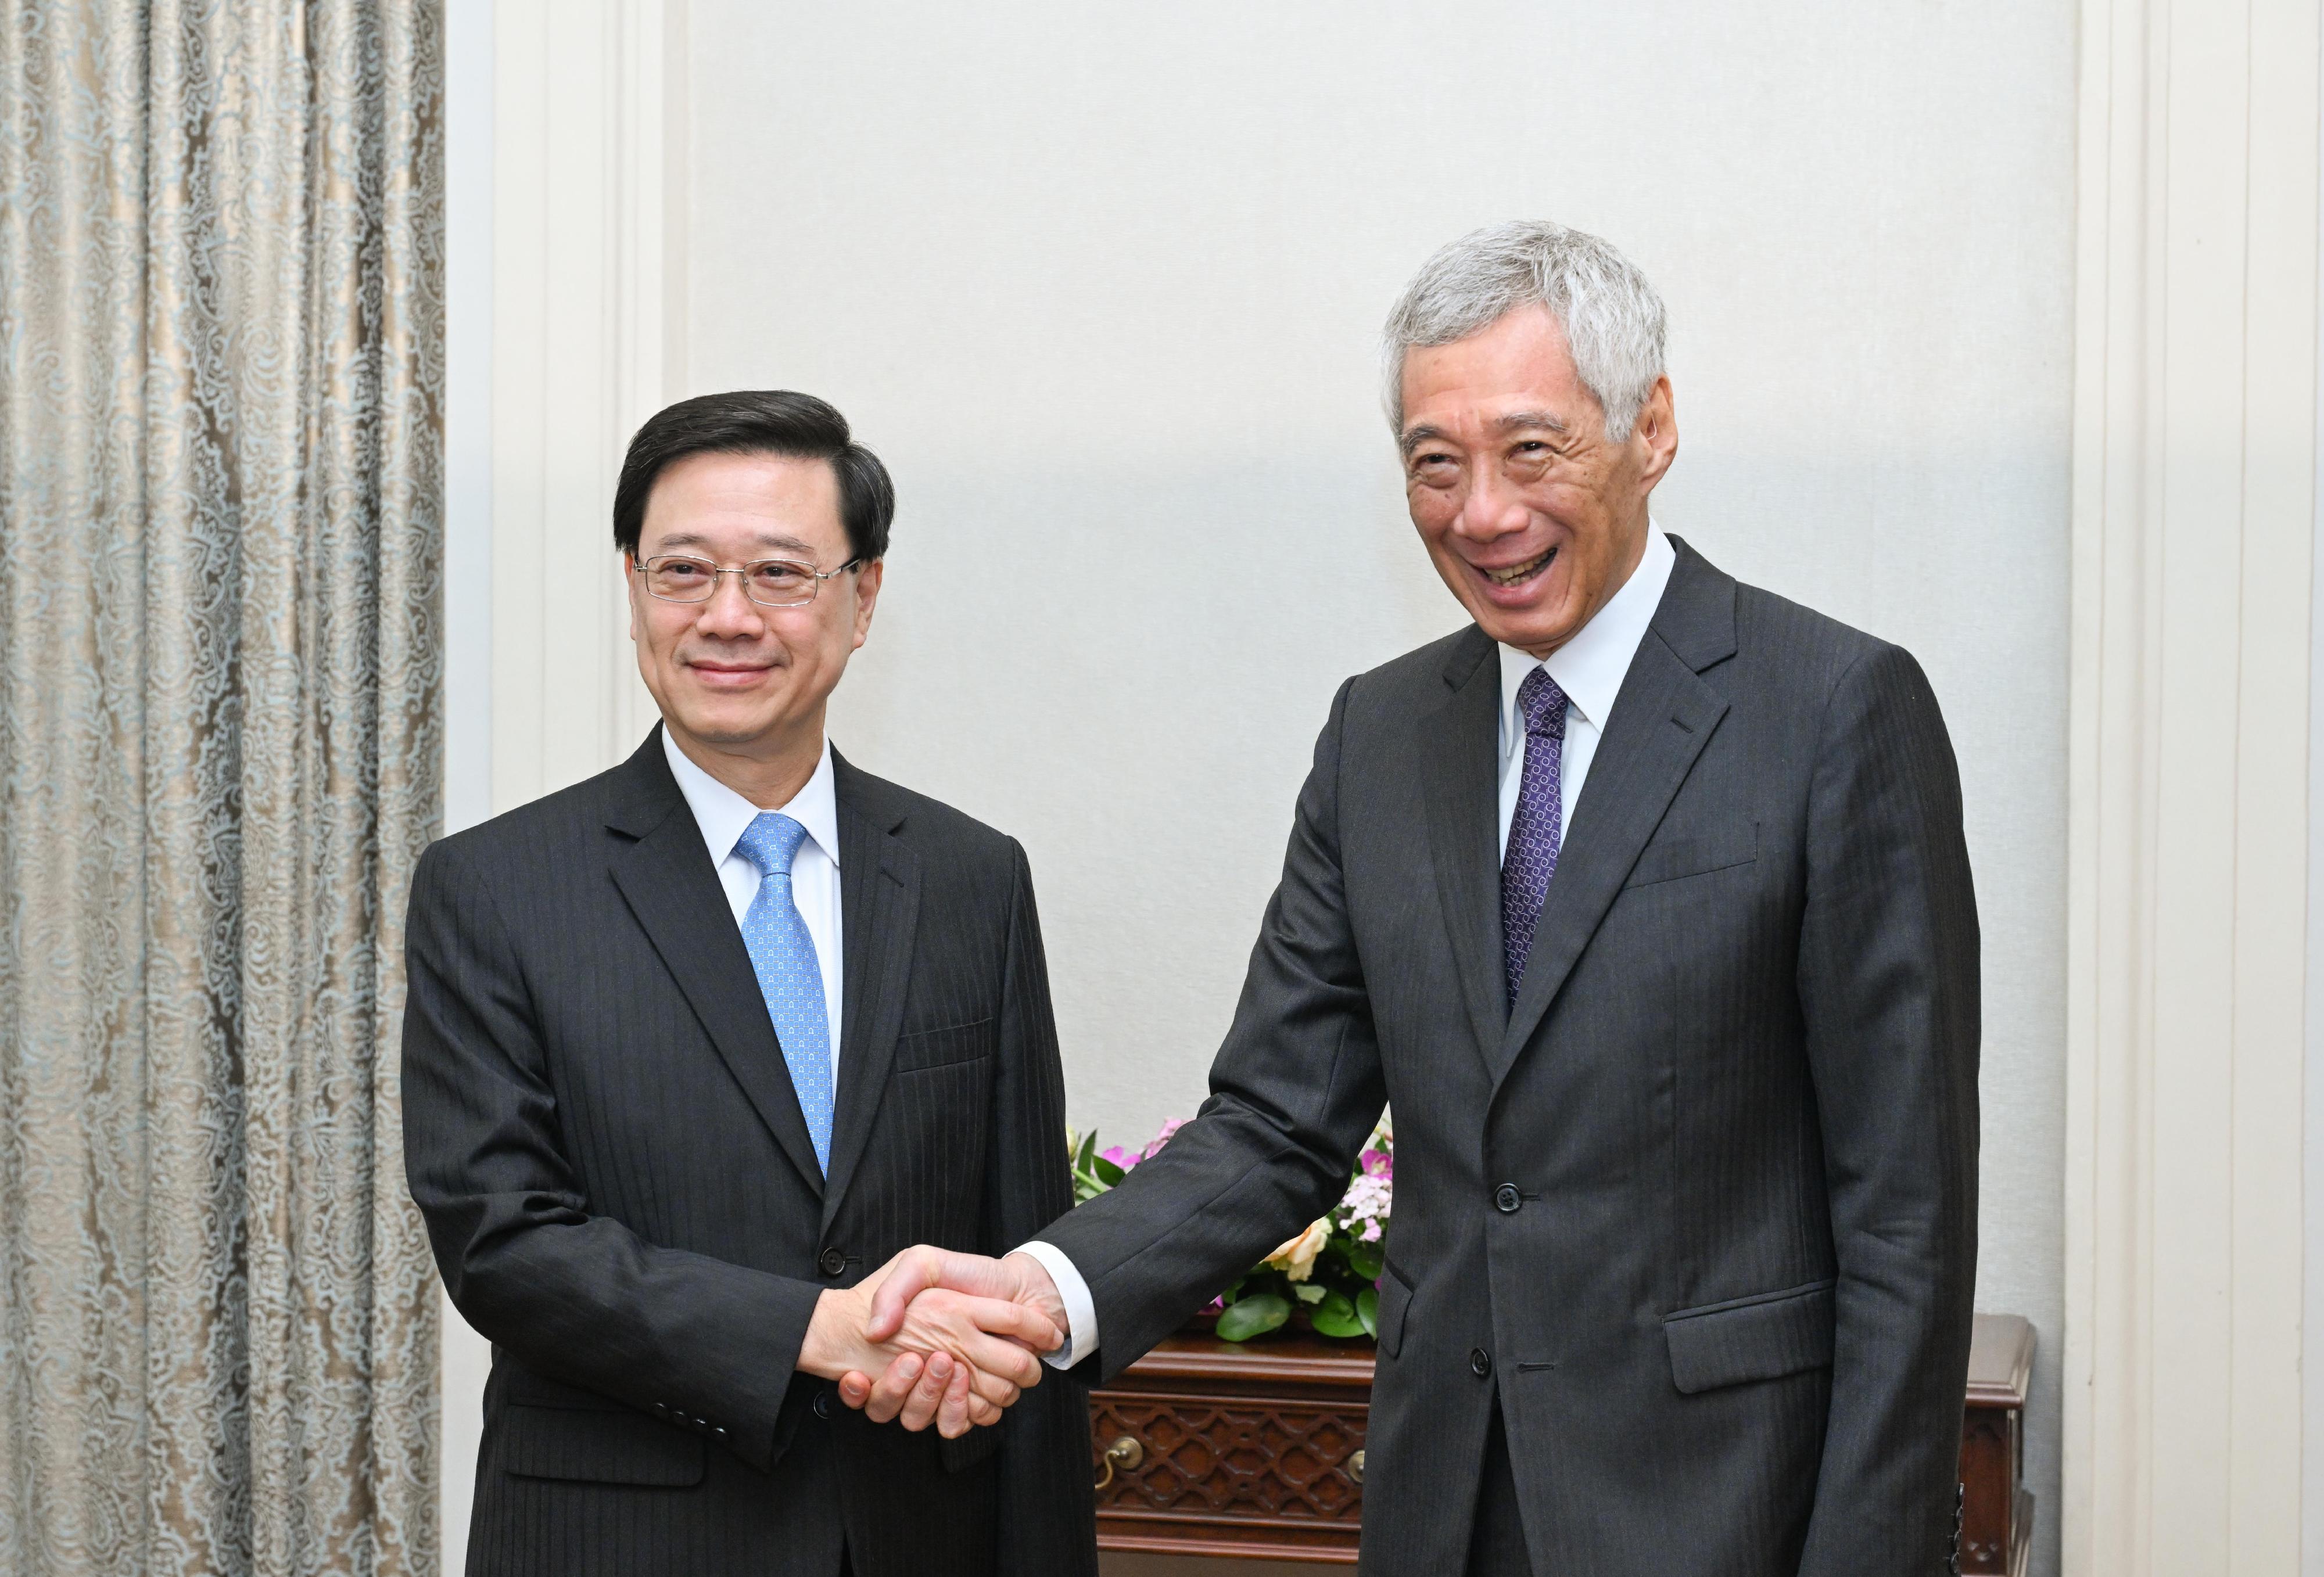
(746, 506)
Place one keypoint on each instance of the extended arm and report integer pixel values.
(1888, 988)
(1294, 1090)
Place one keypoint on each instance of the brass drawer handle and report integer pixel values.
(1125, 1453)
(1356, 1467)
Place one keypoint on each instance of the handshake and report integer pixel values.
(955, 1338)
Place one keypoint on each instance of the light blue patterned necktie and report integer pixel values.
(790, 975)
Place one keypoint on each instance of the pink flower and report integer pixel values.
(1378, 1164)
(1169, 1128)
(1121, 1158)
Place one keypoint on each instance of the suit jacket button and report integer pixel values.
(1508, 1199)
(823, 1404)
(1480, 1364)
(833, 1262)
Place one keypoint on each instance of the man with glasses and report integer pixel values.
(694, 1046)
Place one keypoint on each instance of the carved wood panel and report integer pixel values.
(1221, 1457)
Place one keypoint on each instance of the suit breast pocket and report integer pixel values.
(947, 1045)
(1676, 859)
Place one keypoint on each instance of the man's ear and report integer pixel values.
(867, 593)
(1657, 429)
(627, 566)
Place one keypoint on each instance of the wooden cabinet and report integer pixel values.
(1205, 1447)
(1997, 1509)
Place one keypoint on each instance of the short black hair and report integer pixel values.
(758, 421)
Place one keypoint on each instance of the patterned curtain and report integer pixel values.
(220, 482)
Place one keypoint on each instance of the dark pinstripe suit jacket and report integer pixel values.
(601, 1132)
(1724, 1299)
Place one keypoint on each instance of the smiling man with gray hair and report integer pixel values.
(1643, 899)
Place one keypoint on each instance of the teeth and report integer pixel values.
(1517, 572)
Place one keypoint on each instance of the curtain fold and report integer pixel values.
(220, 744)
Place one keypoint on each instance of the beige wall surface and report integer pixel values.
(1102, 286)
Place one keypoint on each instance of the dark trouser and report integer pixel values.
(1497, 1545)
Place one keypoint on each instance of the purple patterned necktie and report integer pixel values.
(1531, 858)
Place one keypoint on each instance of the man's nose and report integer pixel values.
(730, 611)
(1492, 508)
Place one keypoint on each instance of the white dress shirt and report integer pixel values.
(724, 814)
(1590, 668)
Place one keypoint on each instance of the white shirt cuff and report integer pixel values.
(1081, 1309)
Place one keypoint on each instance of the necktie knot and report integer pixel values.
(1542, 704)
(770, 842)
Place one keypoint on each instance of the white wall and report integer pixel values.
(1102, 286)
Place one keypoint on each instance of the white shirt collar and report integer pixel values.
(724, 814)
(1590, 668)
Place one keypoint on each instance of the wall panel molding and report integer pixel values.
(588, 274)
(2195, 453)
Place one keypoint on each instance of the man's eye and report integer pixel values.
(777, 577)
(683, 570)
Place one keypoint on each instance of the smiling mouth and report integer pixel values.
(1519, 574)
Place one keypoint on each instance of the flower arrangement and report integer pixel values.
(1328, 1274)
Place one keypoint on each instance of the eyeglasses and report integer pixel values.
(771, 583)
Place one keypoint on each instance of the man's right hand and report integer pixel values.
(913, 1279)
(954, 1357)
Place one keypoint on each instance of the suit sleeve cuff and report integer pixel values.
(1081, 1309)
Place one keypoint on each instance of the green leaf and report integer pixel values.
(1087, 1153)
(1368, 1310)
(1253, 1316)
(1337, 1316)
(1307, 1292)
(1365, 1261)
(1106, 1172)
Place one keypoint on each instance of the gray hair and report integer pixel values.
(1613, 317)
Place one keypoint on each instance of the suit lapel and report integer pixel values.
(1662, 718)
(1457, 746)
(880, 907)
(672, 887)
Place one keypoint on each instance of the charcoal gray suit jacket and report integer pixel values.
(1700, 1210)
(621, 1194)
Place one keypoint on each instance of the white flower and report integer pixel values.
(1365, 1207)
(1296, 1258)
